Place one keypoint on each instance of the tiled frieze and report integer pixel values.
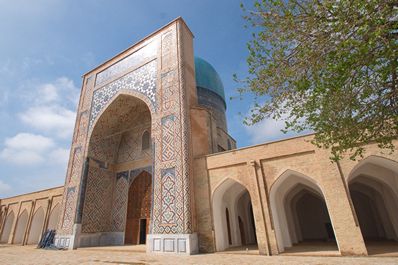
(145, 53)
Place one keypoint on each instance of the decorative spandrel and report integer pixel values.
(142, 80)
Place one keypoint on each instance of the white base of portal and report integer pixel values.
(69, 241)
(172, 243)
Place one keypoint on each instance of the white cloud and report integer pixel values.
(26, 148)
(266, 130)
(52, 108)
(62, 90)
(4, 188)
(270, 130)
(50, 119)
(60, 156)
(48, 93)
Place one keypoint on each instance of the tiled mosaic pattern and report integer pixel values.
(142, 80)
(76, 165)
(132, 60)
(131, 143)
(168, 194)
(168, 138)
(70, 207)
(97, 205)
(119, 206)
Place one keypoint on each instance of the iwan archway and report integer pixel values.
(300, 215)
(118, 194)
(234, 225)
(373, 186)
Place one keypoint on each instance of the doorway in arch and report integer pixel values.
(138, 209)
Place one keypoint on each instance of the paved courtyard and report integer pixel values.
(16, 255)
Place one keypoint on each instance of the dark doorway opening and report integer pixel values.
(142, 231)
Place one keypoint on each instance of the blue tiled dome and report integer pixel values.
(207, 77)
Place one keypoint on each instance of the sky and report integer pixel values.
(46, 46)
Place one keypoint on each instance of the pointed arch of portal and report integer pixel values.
(104, 107)
(114, 152)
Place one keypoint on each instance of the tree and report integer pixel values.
(327, 66)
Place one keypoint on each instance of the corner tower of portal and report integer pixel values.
(159, 71)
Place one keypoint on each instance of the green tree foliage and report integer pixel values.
(327, 66)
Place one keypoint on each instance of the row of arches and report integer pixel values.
(300, 213)
(21, 226)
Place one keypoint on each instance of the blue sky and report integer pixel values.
(45, 47)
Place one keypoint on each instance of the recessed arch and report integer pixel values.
(233, 220)
(145, 140)
(20, 227)
(54, 217)
(373, 187)
(6, 231)
(299, 210)
(114, 147)
(121, 93)
(36, 226)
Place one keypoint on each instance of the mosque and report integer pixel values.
(151, 162)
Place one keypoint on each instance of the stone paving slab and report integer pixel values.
(16, 255)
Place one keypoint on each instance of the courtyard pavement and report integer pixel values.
(16, 255)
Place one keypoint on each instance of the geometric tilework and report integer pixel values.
(69, 208)
(76, 164)
(168, 138)
(97, 205)
(119, 205)
(168, 196)
(142, 80)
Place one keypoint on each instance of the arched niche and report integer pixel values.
(36, 226)
(54, 217)
(20, 228)
(373, 187)
(299, 211)
(233, 216)
(5, 234)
